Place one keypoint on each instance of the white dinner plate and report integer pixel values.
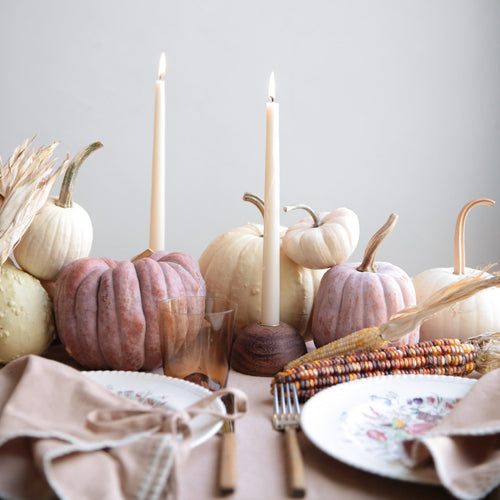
(162, 391)
(363, 422)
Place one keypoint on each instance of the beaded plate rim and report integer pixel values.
(157, 391)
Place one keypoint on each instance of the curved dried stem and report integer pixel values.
(315, 216)
(459, 244)
(65, 199)
(256, 200)
(368, 264)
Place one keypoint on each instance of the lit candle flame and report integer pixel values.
(162, 66)
(272, 87)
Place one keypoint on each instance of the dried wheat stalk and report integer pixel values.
(25, 183)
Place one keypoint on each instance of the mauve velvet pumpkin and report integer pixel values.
(106, 311)
(349, 300)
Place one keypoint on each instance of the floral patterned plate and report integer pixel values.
(363, 422)
(160, 391)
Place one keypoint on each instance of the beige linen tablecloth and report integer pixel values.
(261, 461)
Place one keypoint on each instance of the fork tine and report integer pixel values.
(282, 399)
(289, 408)
(276, 400)
(295, 399)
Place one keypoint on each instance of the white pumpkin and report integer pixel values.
(61, 232)
(322, 240)
(26, 320)
(232, 266)
(473, 316)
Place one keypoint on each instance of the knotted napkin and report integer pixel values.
(465, 445)
(64, 434)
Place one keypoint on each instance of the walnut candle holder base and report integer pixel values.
(263, 350)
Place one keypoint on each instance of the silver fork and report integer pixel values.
(287, 418)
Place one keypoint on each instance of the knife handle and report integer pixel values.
(227, 468)
(295, 464)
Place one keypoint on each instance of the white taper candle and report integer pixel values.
(271, 252)
(157, 216)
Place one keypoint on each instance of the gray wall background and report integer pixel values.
(386, 106)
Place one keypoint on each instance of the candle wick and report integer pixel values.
(272, 98)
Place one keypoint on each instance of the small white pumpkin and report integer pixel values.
(232, 266)
(61, 232)
(26, 319)
(322, 240)
(473, 316)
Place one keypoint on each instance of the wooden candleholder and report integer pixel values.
(263, 350)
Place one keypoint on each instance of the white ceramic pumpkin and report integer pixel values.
(61, 232)
(473, 316)
(232, 266)
(322, 240)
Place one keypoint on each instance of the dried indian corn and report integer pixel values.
(440, 357)
(368, 338)
(400, 323)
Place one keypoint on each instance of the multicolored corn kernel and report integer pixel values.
(440, 357)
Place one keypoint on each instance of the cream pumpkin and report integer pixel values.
(232, 266)
(26, 320)
(473, 316)
(322, 240)
(61, 232)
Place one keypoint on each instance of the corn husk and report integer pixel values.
(489, 356)
(411, 317)
(25, 183)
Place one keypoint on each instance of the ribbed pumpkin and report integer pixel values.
(474, 316)
(61, 231)
(106, 311)
(232, 266)
(353, 296)
(323, 239)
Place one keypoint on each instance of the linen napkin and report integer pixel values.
(64, 434)
(465, 445)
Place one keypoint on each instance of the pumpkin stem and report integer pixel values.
(316, 220)
(256, 200)
(143, 255)
(459, 245)
(66, 194)
(368, 264)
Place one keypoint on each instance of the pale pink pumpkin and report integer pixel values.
(106, 311)
(353, 296)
